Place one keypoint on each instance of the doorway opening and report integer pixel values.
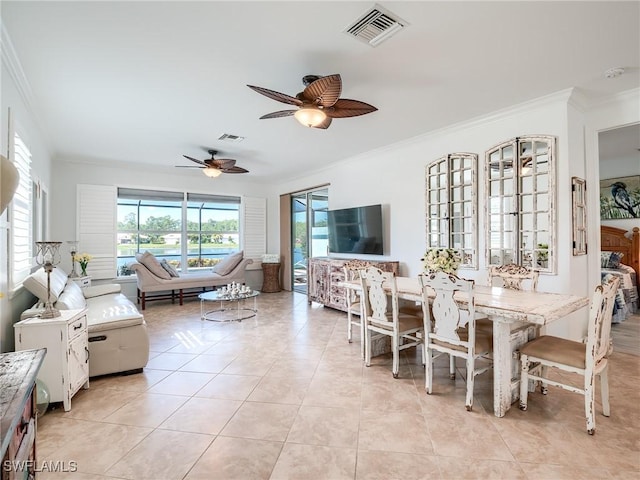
(309, 233)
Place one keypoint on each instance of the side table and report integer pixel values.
(270, 277)
(82, 282)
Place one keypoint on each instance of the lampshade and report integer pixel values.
(212, 172)
(310, 116)
(9, 179)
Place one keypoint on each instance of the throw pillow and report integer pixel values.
(169, 268)
(228, 263)
(610, 259)
(153, 265)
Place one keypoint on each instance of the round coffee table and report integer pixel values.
(224, 313)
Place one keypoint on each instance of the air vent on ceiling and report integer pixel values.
(375, 25)
(227, 137)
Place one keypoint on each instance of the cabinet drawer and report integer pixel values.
(77, 327)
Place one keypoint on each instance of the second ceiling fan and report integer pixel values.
(214, 167)
(318, 103)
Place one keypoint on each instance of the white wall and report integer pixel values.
(394, 176)
(621, 167)
(23, 120)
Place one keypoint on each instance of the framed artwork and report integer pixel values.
(620, 198)
(579, 212)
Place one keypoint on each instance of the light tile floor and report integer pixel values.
(285, 396)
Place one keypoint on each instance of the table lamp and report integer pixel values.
(73, 249)
(48, 256)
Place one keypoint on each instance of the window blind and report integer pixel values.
(96, 227)
(21, 234)
(254, 228)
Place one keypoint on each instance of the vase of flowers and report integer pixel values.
(445, 260)
(83, 260)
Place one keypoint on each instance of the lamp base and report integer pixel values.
(49, 311)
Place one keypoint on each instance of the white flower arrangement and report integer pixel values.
(445, 260)
(83, 259)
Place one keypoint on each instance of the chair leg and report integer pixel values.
(589, 404)
(604, 391)
(471, 365)
(452, 367)
(428, 371)
(524, 380)
(361, 338)
(349, 323)
(543, 373)
(367, 347)
(396, 356)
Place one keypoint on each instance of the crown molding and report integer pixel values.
(12, 62)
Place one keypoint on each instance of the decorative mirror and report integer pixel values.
(520, 186)
(451, 197)
(579, 212)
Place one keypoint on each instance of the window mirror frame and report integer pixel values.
(520, 213)
(451, 205)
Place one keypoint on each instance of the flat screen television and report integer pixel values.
(356, 230)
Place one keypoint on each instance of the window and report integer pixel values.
(21, 218)
(197, 232)
(451, 205)
(521, 197)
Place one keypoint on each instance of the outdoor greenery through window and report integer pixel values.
(195, 230)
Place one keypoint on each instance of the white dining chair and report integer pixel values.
(382, 317)
(589, 360)
(450, 328)
(351, 270)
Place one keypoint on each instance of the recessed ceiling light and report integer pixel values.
(614, 72)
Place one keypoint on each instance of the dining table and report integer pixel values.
(512, 312)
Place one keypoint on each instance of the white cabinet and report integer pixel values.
(82, 282)
(66, 366)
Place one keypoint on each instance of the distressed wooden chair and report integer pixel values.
(450, 328)
(382, 317)
(509, 276)
(589, 360)
(351, 271)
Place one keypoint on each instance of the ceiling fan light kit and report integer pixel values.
(310, 116)
(318, 103)
(212, 172)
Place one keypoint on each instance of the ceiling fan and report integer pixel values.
(214, 167)
(318, 103)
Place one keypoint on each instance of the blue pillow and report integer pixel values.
(610, 259)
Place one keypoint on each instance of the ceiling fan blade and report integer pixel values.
(325, 91)
(223, 162)
(277, 96)
(325, 124)
(195, 160)
(349, 108)
(187, 166)
(281, 113)
(234, 169)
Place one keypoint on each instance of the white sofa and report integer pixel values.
(118, 339)
(166, 288)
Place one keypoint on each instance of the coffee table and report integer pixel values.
(225, 314)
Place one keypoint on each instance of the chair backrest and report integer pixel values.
(600, 313)
(447, 314)
(374, 297)
(351, 271)
(512, 276)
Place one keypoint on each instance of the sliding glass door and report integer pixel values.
(308, 233)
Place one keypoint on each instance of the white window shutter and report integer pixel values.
(254, 228)
(96, 227)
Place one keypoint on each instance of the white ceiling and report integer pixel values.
(147, 82)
